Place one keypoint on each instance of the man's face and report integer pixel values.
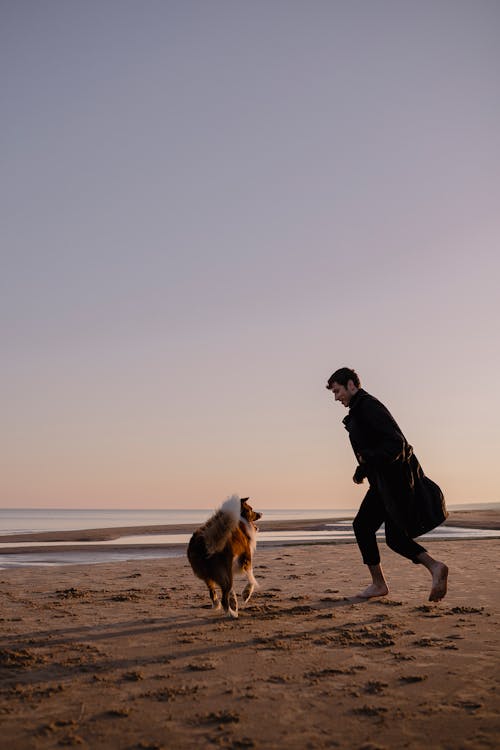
(343, 393)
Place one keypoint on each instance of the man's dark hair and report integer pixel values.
(342, 377)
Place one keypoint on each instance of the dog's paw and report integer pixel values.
(247, 592)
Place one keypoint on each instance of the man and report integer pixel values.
(398, 488)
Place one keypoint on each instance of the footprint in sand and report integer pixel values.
(118, 713)
(468, 705)
(402, 657)
(375, 687)
(467, 611)
(129, 597)
(135, 676)
(202, 666)
(427, 642)
(370, 711)
(221, 717)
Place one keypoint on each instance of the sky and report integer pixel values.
(208, 207)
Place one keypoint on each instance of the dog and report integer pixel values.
(225, 545)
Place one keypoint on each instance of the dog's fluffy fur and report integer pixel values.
(225, 545)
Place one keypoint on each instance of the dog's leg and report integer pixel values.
(225, 580)
(233, 604)
(251, 585)
(245, 565)
(230, 602)
(213, 595)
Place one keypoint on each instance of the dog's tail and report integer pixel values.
(221, 525)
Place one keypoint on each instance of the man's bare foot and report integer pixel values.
(439, 582)
(373, 590)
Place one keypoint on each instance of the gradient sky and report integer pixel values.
(207, 207)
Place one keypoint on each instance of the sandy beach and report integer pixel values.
(130, 655)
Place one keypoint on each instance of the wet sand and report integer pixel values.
(475, 519)
(108, 534)
(129, 655)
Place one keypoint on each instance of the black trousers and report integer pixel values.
(370, 517)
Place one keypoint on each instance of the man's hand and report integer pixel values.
(359, 475)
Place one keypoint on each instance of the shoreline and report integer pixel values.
(96, 546)
(105, 534)
(474, 519)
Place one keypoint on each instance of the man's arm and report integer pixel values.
(389, 443)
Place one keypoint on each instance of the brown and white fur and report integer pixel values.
(225, 545)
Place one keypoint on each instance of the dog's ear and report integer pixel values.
(244, 499)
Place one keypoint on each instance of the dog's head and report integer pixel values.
(248, 513)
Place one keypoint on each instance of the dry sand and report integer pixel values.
(128, 655)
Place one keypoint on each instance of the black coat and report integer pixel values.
(410, 498)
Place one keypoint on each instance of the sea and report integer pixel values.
(34, 520)
(24, 521)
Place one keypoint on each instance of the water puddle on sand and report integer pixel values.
(151, 545)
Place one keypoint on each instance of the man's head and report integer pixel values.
(344, 383)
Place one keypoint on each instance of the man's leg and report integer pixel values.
(368, 519)
(378, 586)
(399, 541)
(439, 573)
